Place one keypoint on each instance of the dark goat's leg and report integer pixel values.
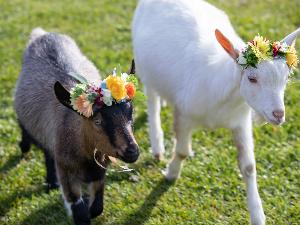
(51, 178)
(96, 191)
(72, 196)
(26, 140)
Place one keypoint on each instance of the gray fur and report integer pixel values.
(47, 59)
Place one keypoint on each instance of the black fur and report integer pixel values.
(62, 95)
(80, 213)
(97, 207)
(25, 143)
(51, 177)
(26, 140)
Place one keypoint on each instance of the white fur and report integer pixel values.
(179, 59)
(66, 203)
(35, 33)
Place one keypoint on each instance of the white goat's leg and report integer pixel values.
(182, 146)
(244, 142)
(156, 133)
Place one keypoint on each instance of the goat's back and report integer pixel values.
(178, 56)
(48, 58)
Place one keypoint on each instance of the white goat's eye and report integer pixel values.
(252, 79)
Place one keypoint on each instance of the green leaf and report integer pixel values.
(78, 77)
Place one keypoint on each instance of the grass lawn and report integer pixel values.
(211, 190)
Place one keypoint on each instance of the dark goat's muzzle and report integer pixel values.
(131, 154)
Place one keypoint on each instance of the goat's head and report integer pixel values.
(263, 87)
(109, 129)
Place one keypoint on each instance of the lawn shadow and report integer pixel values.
(7, 202)
(53, 213)
(10, 163)
(142, 214)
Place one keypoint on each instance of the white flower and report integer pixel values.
(107, 101)
(241, 60)
(284, 47)
(114, 73)
(124, 76)
(106, 93)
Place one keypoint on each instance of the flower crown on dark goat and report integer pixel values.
(114, 89)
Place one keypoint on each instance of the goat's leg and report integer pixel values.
(244, 142)
(182, 146)
(96, 191)
(74, 203)
(51, 178)
(26, 140)
(156, 133)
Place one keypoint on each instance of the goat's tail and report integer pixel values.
(35, 33)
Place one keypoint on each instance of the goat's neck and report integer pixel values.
(229, 82)
(88, 139)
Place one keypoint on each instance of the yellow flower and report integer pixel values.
(117, 87)
(83, 106)
(291, 57)
(261, 48)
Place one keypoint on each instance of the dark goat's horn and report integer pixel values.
(132, 68)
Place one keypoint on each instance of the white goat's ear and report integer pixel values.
(291, 38)
(226, 44)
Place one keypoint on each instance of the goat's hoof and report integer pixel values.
(96, 210)
(80, 213)
(52, 186)
(159, 157)
(258, 219)
(24, 146)
(169, 176)
(97, 206)
(191, 153)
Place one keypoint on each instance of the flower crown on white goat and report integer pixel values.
(260, 49)
(114, 89)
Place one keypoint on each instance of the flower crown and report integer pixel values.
(113, 89)
(260, 49)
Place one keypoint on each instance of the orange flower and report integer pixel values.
(83, 106)
(130, 90)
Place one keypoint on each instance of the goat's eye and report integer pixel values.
(252, 80)
(98, 122)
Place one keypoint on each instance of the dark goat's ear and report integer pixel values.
(62, 95)
(132, 68)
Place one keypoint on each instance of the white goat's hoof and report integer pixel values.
(171, 175)
(159, 157)
(191, 153)
(258, 218)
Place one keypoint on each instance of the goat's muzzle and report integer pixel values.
(131, 154)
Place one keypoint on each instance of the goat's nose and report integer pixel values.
(278, 114)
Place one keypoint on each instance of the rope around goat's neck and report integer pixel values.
(113, 160)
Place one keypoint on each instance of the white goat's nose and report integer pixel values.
(278, 114)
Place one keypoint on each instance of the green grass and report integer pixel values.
(210, 191)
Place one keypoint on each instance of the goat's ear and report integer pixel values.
(226, 44)
(62, 95)
(132, 67)
(291, 38)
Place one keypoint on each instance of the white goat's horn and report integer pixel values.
(289, 39)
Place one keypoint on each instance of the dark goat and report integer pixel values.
(42, 103)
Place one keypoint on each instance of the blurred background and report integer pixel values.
(210, 190)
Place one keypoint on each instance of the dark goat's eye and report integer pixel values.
(98, 122)
(252, 80)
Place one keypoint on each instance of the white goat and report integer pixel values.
(180, 57)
